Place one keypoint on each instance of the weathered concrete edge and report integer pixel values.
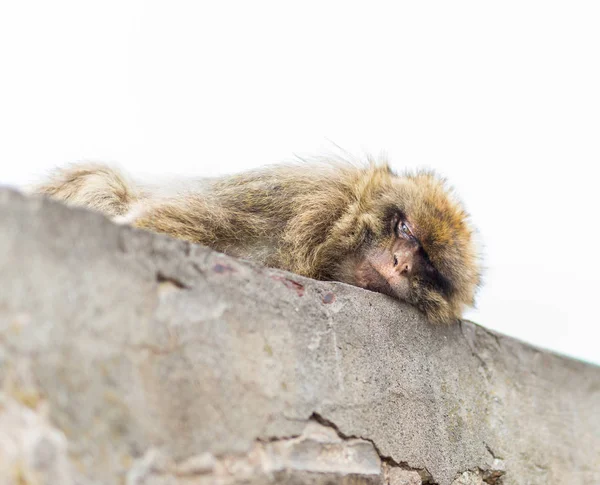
(10, 194)
(180, 276)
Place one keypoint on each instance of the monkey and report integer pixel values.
(404, 235)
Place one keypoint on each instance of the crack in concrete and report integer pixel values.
(491, 452)
(163, 279)
(426, 477)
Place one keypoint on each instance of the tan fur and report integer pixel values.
(306, 218)
(95, 186)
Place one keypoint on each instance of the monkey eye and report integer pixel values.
(403, 229)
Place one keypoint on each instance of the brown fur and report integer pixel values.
(309, 219)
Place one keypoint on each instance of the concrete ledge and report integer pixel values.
(128, 357)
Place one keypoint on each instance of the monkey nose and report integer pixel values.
(402, 266)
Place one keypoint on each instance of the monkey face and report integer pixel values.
(398, 265)
(418, 248)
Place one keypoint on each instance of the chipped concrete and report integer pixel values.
(156, 361)
(32, 451)
(318, 451)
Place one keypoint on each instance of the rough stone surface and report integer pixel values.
(31, 450)
(128, 357)
(398, 476)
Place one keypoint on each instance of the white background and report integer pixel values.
(501, 97)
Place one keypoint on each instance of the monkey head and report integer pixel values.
(417, 245)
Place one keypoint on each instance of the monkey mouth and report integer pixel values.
(366, 275)
(379, 283)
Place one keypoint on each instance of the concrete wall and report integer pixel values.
(127, 357)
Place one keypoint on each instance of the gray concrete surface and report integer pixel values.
(128, 357)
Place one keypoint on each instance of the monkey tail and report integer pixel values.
(91, 185)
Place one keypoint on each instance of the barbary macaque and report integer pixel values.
(402, 235)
